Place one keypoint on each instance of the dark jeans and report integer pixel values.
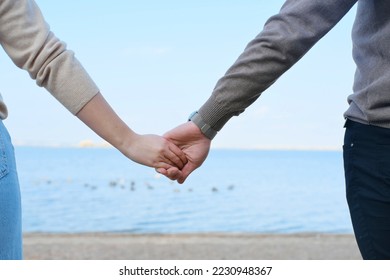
(367, 175)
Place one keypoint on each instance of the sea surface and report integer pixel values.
(73, 190)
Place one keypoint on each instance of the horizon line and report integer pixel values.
(105, 145)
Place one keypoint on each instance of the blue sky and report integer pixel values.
(158, 61)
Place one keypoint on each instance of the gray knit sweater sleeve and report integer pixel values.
(286, 37)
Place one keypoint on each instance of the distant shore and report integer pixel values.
(213, 246)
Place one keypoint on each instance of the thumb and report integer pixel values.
(185, 172)
(172, 173)
(162, 171)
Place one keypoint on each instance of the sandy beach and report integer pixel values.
(112, 246)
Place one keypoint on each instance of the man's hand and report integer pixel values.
(193, 143)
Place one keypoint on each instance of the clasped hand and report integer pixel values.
(193, 144)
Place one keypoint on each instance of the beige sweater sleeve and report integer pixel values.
(27, 39)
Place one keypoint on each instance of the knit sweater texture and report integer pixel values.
(288, 36)
(27, 39)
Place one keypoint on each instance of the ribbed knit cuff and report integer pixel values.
(70, 84)
(215, 114)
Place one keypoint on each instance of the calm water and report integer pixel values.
(84, 190)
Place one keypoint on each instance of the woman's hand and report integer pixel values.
(154, 151)
(149, 150)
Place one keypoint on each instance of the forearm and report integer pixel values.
(98, 115)
(286, 37)
(150, 150)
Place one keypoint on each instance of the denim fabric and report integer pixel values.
(367, 175)
(10, 202)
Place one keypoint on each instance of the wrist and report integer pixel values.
(194, 131)
(127, 142)
(204, 128)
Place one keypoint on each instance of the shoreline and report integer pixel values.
(191, 246)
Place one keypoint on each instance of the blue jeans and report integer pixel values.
(367, 175)
(10, 203)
